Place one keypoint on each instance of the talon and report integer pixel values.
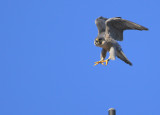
(102, 63)
(99, 62)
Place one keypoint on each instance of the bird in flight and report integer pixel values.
(110, 30)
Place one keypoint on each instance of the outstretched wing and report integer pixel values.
(116, 26)
(100, 22)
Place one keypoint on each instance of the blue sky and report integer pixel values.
(47, 57)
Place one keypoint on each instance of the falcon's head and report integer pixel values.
(99, 41)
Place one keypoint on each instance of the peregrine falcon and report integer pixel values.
(110, 30)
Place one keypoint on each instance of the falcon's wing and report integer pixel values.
(116, 26)
(100, 22)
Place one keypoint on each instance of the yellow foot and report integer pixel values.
(106, 61)
(99, 62)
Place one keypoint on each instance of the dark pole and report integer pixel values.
(111, 111)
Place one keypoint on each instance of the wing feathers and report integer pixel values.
(124, 24)
(100, 22)
(116, 26)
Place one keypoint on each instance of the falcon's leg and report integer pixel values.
(107, 60)
(112, 55)
(103, 55)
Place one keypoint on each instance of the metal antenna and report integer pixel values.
(111, 111)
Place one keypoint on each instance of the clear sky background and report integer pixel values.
(47, 55)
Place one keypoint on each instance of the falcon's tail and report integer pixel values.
(122, 56)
